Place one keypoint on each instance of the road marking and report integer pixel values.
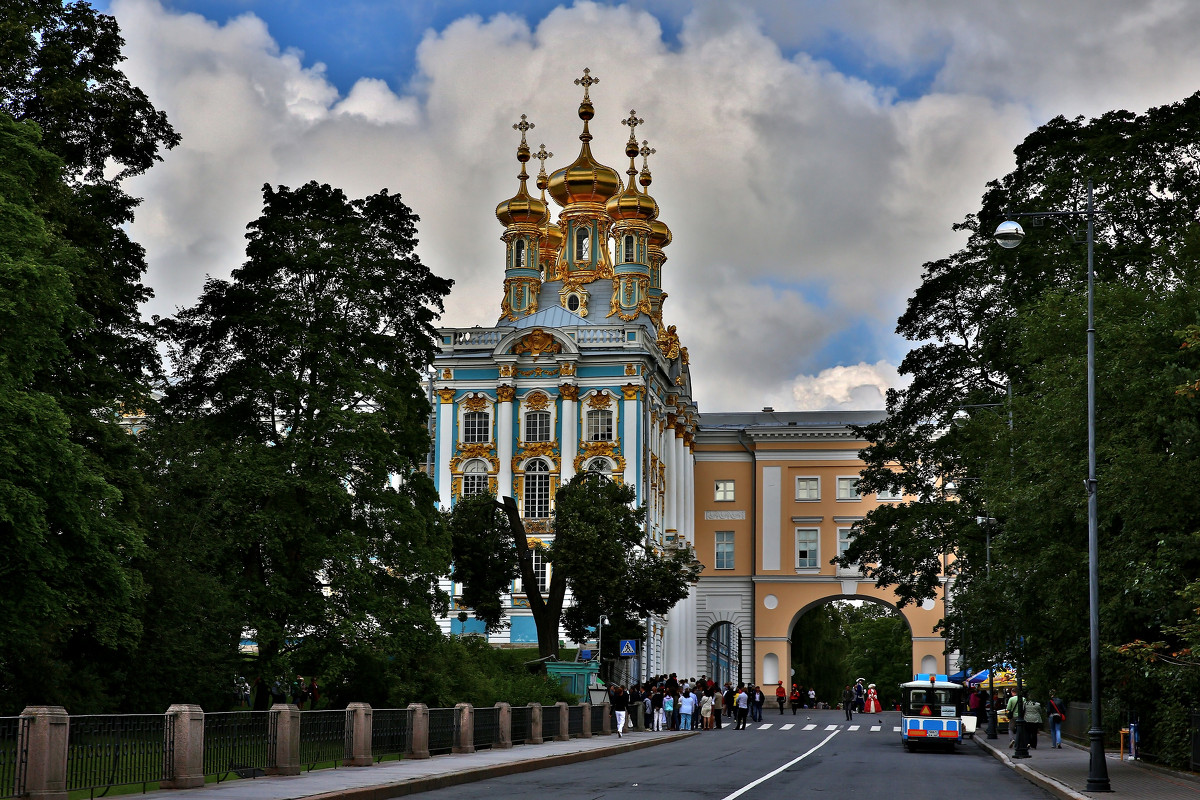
(775, 772)
(854, 727)
(764, 727)
(831, 727)
(809, 727)
(896, 730)
(876, 728)
(788, 727)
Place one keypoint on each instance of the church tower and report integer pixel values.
(578, 373)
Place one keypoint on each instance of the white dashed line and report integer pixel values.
(896, 729)
(764, 727)
(831, 727)
(788, 727)
(854, 727)
(876, 728)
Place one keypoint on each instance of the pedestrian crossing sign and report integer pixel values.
(628, 647)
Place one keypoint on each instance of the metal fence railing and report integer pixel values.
(443, 724)
(13, 755)
(326, 737)
(487, 728)
(597, 720)
(119, 750)
(239, 743)
(390, 732)
(575, 721)
(520, 724)
(550, 723)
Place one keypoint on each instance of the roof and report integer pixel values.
(552, 317)
(783, 419)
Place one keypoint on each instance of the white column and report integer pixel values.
(570, 430)
(687, 607)
(629, 442)
(445, 445)
(689, 495)
(504, 439)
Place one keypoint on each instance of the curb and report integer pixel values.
(1033, 776)
(416, 785)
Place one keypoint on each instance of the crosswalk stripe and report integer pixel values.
(896, 729)
(831, 727)
(809, 727)
(876, 728)
(788, 727)
(764, 727)
(854, 727)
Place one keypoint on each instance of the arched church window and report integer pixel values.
(724, 652)
(475, 479)
(537, 426)
(537, 489)
(583, 245)
(600, 466)
(599, 425)
(519, 253)
(630, 252)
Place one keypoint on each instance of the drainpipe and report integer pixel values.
(743, 437)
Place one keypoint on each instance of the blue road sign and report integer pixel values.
(628, 647)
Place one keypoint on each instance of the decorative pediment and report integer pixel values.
(537, 342)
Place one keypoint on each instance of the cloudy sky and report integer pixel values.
(811, 155)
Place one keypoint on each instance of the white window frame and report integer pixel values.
(539, 496)
(724, 490)
(845, 535)
(541, 571)
(470, 433)
(474, 471)
(548, 430)
(800, 478)
(815, 537)
(595, 426)
(846, 497)
(888, 496)
(723, 543)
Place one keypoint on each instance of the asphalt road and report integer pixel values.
(830, 759)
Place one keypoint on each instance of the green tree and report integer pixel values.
(879, 648)
(598, 552)
(293, 436)
(990, 325)
(819, 651)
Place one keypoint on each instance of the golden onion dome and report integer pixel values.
(660, 234)
(585, 180)
(521, 207)
(552, 235)
(631, 203)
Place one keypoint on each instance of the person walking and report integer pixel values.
(812, 698)
(860, 694)
(1033, 722)
(743, 707)
(706, 710)
(780, 697)
(871, 704)
(620, 706)
(757, 701)
(718, 704)
(848, 702)
(656, 708)
(687, 707)
(1056, 720)
(669, 710)
(796, 699)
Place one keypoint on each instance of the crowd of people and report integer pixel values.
(671, 703)
(1032, 712)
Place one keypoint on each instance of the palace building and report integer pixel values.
(581, 371)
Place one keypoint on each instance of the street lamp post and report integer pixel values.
(1009, 234)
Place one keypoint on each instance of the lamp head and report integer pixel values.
(1009, 234)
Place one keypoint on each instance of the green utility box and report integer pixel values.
(575, 676)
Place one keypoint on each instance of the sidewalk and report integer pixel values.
(1064, 772)
(409, 776)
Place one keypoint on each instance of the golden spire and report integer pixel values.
(543, 180)
(551, 233)
(521, 208)
(587, 81)
(630, 203)
(585, 180)
(646, 151)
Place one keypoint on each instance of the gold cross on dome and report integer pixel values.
(523, 126)
(646, 152)
(632, 122)
(587, 81)
(542, 154)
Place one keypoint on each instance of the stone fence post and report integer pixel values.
(361, 732)
(46, 742)
(187, 771)
(418, 740)
(606, 726)
(535, 723)
(564, 721)
(587, 720)
(287, 740)
(638, 712)
(464, 735)
(505, 720)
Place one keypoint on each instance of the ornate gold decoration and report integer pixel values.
(681, 380)
(668, 342)
(466, 452)
(631, 391)
(587, 81)
(599, 400)
(537, 526)
(505, 393)
(506, 370)
(680, 430)
(566, 368)
(568, 391)
(538, 372)
(447, 374)
(536, 401)
(537, 449)
(573, 285)
(506, 309)
(474, 402)
(631, 369)
(670, 420)
(672, 400)
(537, 342)
(446, 395)
(610, 450)
(683, 354)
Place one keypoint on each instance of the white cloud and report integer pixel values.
(803, 201)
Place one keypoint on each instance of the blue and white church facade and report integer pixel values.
(578, 373)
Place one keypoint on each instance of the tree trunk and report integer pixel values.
(546, 611)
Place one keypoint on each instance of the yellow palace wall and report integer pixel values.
(773, 591)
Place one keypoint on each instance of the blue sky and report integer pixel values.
(811, 155)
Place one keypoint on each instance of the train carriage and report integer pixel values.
(932, 709)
